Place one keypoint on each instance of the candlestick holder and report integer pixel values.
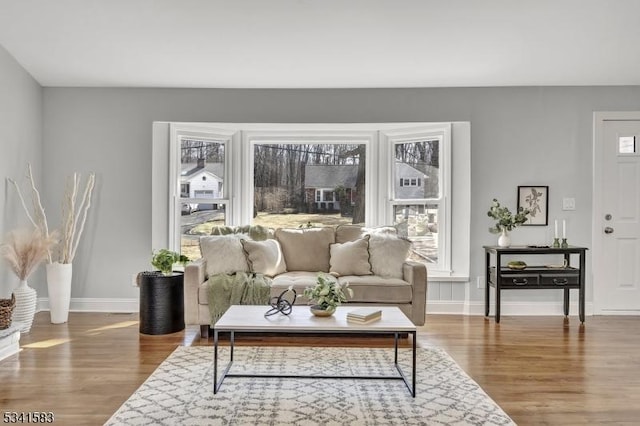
(556, 243)
(564, 243)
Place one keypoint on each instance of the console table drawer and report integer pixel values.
(519, 280)
(559, 280)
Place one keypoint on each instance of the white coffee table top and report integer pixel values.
(251, 318)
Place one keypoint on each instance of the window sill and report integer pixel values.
(446, 277)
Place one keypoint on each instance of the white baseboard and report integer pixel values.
(456, 307)
(95, 305)
(506, 308)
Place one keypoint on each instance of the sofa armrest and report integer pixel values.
(194, 276)
(415, 273)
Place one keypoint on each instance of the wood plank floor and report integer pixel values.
(540, 370)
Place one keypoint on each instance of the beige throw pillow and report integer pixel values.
(388, 254)
(224, 254)
(265, 257)
(351, 258)
(306, 249)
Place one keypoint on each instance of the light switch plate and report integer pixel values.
(568, 204)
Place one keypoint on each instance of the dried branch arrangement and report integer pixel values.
(24, 250)
(38, 219)
(74, 214)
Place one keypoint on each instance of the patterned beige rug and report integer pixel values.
(180, 391)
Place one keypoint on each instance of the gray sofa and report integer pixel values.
(373, 262)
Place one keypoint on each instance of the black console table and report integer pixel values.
(564, 277)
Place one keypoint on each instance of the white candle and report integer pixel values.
(555, 233)
(564, 228)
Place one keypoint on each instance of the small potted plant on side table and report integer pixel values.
(162, 294)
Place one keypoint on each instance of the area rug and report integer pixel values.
(180, 391)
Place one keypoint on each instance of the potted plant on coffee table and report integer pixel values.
(162, 294)
(327, 294)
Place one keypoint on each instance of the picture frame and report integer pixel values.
(536, 199)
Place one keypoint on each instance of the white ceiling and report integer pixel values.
(324, 43)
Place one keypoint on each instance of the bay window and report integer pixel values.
(295, 175)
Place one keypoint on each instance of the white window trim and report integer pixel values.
(239, 173)
(301, 134)
(418, 133)
(201, 132)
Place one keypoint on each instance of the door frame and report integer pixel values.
(597, 234)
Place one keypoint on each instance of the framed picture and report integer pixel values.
(536, 199)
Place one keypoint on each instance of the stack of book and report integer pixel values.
(364, 315)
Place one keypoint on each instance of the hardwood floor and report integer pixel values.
(540, 370)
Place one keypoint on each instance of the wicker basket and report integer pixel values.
(6, 310)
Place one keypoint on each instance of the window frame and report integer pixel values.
(300, 135)
(205, 133)
(441, 132)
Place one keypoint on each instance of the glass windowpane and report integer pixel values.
(627, 145)
(297, 185)
(201, 176)
(419, 223)
(417, 162)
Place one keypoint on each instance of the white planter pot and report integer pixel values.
(59, 285)
(25, 307)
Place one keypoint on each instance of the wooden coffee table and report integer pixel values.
(251, 319)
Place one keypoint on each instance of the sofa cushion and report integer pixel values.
(224, 254)
(298, 280)
(264, 257)
(376, 289)
(346, 233)
(351, 257)
(306, 249)
(388, 254)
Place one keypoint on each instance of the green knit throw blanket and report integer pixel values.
(240, 288)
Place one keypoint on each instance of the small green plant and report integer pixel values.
(505, 219)
(164, 260)
(327, 292)
(307, 225)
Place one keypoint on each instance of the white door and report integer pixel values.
(616, 224)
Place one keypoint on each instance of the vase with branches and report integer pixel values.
(24, 250)
(505, 221)
(75, 208)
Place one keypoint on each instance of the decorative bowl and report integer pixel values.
(516, 264)
(318, 311)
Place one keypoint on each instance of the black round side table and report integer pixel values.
(161, 302)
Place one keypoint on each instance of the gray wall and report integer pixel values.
(519, 136)
(21, 142)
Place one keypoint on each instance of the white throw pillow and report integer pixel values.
(387, 255)
(350, 258)
(265, 257)
(224, 254)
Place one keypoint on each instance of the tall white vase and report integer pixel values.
(504, 240)
(59, 286)
(25, 308)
